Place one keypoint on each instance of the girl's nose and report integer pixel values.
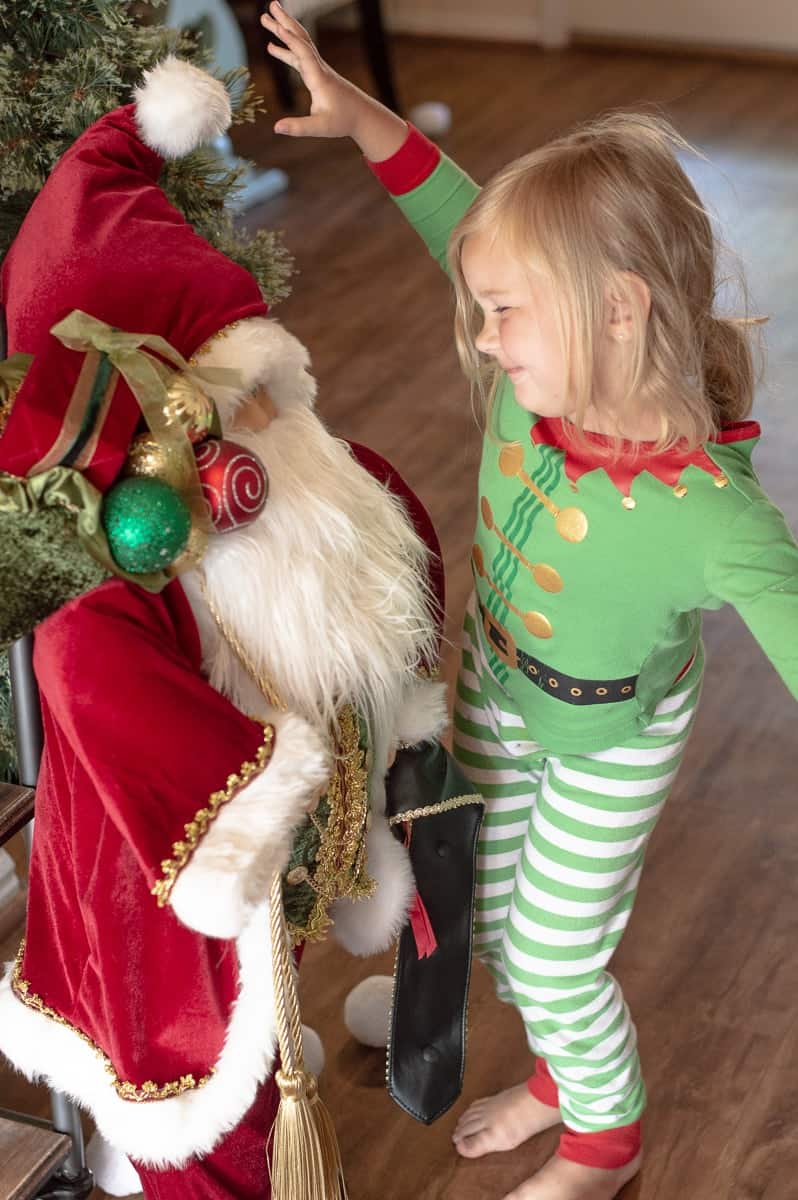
(486, 339)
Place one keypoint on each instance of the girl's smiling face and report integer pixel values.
(521, 329)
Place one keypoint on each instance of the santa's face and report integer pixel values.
(256, 413)
(326, 589)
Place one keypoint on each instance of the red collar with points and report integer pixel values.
(634, 458)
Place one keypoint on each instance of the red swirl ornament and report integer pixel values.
(234, 483)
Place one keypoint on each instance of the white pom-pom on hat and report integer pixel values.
(179, 107)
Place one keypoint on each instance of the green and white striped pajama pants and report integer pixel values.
(560, 856)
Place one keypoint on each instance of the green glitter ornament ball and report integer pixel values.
(147, 524)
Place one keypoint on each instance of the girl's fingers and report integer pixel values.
(286, 56)
(301, 126)
(285, 24)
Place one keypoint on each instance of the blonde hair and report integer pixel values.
(607, 199)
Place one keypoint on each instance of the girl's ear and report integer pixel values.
(629, 304)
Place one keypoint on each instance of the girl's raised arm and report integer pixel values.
(337, 107)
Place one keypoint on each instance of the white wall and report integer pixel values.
(768, 24)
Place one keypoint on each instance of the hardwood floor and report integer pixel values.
(709, 965)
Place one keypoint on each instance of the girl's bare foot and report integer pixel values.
(561, 1179)
(502, 1122)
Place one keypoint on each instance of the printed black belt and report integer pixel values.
(562, 687)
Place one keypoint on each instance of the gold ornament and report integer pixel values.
(151, 458)
(189, 407)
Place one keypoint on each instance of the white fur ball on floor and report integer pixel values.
(432, 117)
(112, 1170)
(367, 1011)
(314, 1051)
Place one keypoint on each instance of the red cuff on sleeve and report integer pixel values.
(414, 161)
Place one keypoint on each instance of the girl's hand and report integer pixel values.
(337, 107)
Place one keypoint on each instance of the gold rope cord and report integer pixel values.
(306, 1158)
(149, 1090)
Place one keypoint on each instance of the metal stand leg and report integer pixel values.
(72, 1180)
(27, 714)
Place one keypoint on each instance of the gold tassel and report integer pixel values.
(330, 1150)
(306, 1159)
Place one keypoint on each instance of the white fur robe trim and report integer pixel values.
(158, 1133)
(231, 870)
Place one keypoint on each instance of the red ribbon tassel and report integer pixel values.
(426, 942)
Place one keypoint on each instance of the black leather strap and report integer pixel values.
(426, 1051)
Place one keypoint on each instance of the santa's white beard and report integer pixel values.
(327, 590)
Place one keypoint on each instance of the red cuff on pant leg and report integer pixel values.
(609, 1149)
(542, 1086)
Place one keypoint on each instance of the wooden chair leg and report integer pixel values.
(377, 52)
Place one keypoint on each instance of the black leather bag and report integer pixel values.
(430, 800)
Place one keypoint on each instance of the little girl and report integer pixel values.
(616, 500)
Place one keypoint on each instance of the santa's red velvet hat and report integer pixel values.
(103, 239)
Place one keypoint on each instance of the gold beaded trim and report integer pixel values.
(433, 810)
(195, 830)
(340, 869)
(6, 406)
(215, 337)
(126, 1090)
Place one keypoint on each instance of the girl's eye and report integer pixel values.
(503, 309)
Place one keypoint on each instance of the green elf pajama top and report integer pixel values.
(591, 573)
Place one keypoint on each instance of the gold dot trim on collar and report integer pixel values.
(149, 1090)
(721, 481)
(629, 502)
(195, 830)
(571, 523)
(680, 492)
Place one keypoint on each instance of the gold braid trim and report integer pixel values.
(195, 830)
(126, 1090)
(6, 406)
(341, 859)
(432, 810)
(219, 336)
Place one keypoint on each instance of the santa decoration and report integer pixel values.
(222, 686)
